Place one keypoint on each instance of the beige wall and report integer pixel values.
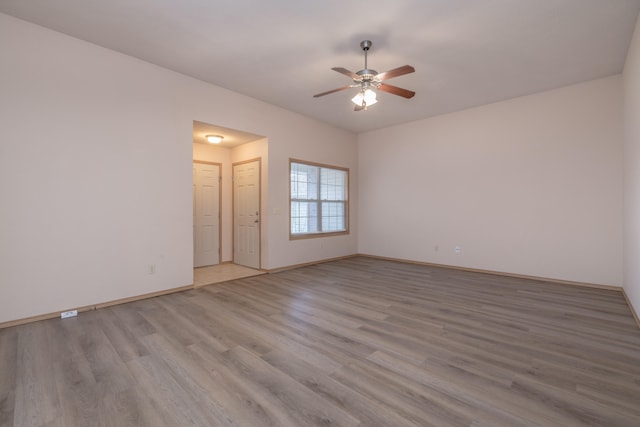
(632, 171)
(529, 186)
(96, 171)
(313, 144)
(95, 178)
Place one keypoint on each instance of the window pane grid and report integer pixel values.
(304, 217)
(304, 182)
(318, 199)
(332, 184)
(333, 216)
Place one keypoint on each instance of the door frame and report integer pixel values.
(233, 208)
(219, 165)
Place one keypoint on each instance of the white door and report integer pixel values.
(246, 214)
(206, 214)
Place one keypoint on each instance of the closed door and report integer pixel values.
(246, 214)
(206, 214)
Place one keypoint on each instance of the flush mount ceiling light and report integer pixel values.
(367, 80)
(214, 139)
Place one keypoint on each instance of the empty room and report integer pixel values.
(287, 213)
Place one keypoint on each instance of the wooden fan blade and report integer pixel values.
(396, 90)
(346, 72)
(405, 69)
(332, 91)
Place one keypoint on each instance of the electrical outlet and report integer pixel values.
(457, 249)
(67, 314)
(152, 269)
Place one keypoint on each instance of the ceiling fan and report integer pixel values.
(367, 80)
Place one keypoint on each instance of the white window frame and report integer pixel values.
(318, 201)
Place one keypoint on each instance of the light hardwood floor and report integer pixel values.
(222, 273)
(353, 342)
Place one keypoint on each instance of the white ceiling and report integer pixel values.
(466, 52)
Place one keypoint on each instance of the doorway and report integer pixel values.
(246, 213)
(206, 213)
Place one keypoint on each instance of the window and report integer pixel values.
(319, 199)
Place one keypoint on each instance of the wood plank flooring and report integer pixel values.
(357, 342)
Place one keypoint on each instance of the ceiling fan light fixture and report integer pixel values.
(214, 139)
(367, 78)
(368, 96)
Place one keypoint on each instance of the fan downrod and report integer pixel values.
(366, 73)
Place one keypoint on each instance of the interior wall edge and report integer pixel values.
(500, 273)
(306, 264)
(633, 310)
(106, 304)
(613, 288)
(56, 314)
(520, 276)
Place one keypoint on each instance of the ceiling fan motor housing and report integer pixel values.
(366, 75)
